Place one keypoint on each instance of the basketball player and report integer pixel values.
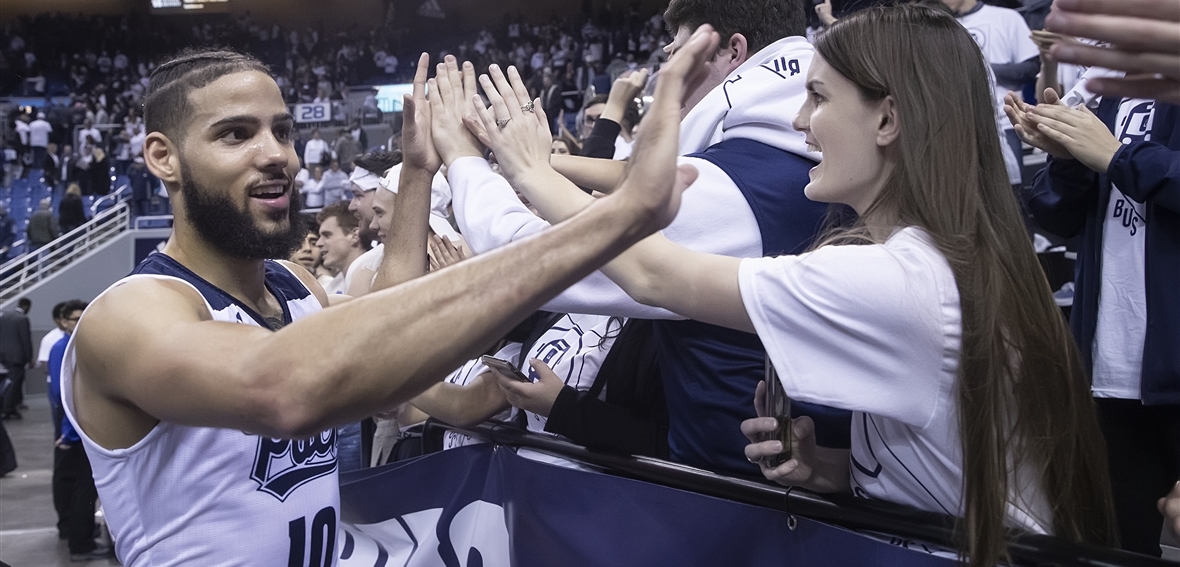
(200, 385)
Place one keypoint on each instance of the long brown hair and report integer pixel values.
(1023, 399)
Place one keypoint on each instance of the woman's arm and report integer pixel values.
(600, 175)
(656, 271)
(464, 405)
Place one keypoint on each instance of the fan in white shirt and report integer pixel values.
(928, 315)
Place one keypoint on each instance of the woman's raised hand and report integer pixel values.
(514, 126)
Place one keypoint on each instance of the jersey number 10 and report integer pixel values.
(323, 540)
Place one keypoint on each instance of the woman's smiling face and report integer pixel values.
(839, 122)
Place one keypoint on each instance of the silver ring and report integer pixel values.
(502, 123)
(527, 107)
(754, 461)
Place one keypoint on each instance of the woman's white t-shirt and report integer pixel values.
(876, 329)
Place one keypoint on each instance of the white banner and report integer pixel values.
(313, 112)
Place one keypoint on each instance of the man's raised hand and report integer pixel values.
(417, 141)
(653, 181)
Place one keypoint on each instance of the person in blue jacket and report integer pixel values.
(74, 493)
(1113, 176)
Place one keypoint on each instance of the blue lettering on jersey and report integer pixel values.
(282, 465)
(1136, 127)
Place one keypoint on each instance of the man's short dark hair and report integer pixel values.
(762, 22)
(166, 105)
(57, 310)
(24, 304)
(72, 306)
(378, 161)
(347, 219)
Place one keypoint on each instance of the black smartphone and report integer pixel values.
(778, 406)
(506, 368)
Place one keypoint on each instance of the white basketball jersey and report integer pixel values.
(207, 496)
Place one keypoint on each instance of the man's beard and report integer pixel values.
(233, 231)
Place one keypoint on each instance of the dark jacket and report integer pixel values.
(16, 344)
(71, 213)
(42, 228)
(1068, 198)
(631, 417)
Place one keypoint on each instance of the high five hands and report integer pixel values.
(516, 128)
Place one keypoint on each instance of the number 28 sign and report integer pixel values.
(313, 112)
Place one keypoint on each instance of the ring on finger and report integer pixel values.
(754, 461)
(502, 123)
(527, 107)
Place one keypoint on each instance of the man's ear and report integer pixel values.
(354, 237)
(734, 52)
(889, 128)
(162, 158)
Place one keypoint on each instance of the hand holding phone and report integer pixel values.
(778, 406)
(504, 367)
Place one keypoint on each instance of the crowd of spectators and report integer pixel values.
(92, 71)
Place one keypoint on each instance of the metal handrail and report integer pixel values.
(117, 195)
(845, 510)
(19, 275)
(150, 219)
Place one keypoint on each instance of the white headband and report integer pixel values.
(364, 179)
(392, 178)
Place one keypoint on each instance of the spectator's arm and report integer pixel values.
(405, 248)
(1148, 171)
(462, 406)
(1060, 196)
(594, 174)
(601, 142)
(1017, 73)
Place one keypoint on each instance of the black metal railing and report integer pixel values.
(845, 510)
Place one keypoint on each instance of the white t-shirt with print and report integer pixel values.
(462, 377)
(876, 329)
(574, 348)
(1003, 36)
(1122, 297)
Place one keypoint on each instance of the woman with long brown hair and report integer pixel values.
(929, 318)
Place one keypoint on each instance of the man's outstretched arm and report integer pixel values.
(371, 353)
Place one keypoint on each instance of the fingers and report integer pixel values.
(456, 79)
(475, 125)
(544, 373)
(408, 109)
(443, 80)
(686, 175)
(511, 101)
(517, 85)
(1167, 90)
(1052, 131)
(499, 106)
(487, 118)
(789, 473)
(804, 429)
(684, 70)
(542, 118)
(1167, 64)
(760, 450)
(470, 83)
(1134, 33)
(1160, 9)
(1051, 97)
(436, 102)
(420, 75)
(759, 399)
(755, 427)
